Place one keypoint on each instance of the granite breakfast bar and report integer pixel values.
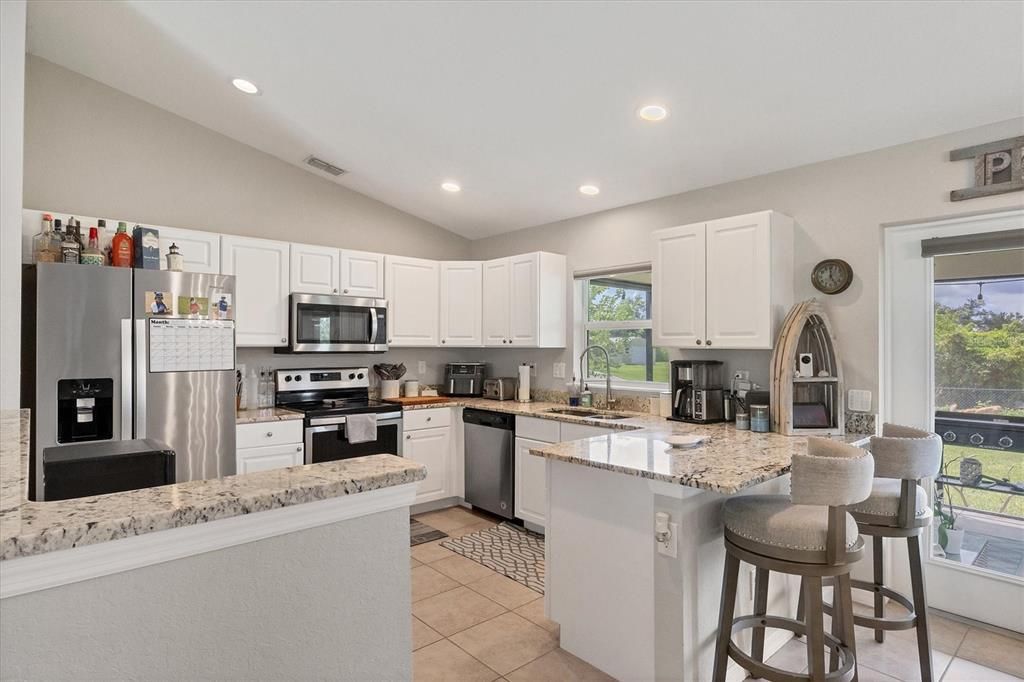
(623, 606)
(99, 587)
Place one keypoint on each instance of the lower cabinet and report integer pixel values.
(431, 447)
(268, 445)
(531, 482)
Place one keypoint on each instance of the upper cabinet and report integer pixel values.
(362, 274)
(461, 303)
(723, 284)
(414, 292)
(315, 269)
(528, 294)
(201, 250)
(260, 268)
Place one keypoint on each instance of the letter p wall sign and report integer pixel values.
(997, 168)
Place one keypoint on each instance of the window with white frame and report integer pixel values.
(613, 311)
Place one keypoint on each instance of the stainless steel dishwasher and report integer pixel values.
(490, 462)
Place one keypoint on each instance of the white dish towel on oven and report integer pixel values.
(361, 428)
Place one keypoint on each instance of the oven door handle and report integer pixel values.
(325, 421)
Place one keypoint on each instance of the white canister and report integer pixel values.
(654, 406)
(665, 397)
(412, 389)
(389, 388)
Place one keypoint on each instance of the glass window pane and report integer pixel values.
(615, 298)
(631, 354)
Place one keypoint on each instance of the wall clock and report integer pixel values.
(832, 276)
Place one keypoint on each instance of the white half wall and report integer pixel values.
(291, 607)
(12, 117)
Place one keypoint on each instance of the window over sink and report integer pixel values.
(613, 310)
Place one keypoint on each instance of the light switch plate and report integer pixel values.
(559, 370)
(858, 400)
(422, 368)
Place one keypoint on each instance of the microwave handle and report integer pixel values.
(373, 325)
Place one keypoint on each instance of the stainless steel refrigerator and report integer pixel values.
(117, 353)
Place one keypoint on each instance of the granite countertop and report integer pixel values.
(266, 414)
(729, 461)
(28, 528)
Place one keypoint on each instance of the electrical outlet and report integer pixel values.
(670, 547)
(559, 370)
(741, 375)
(421, 368)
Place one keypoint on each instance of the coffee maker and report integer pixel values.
(697, 393)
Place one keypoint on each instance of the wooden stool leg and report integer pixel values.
(800, 606)
(815, 628)
(837, 624)
(924, 649)
(842, 602)
(732, 572)
(879, 601)
(760, 609)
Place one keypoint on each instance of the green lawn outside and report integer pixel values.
(639, 372)
(993, 463)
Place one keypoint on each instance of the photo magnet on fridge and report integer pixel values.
(157, 303)
(194, 306)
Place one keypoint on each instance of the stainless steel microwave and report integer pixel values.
(336, 324)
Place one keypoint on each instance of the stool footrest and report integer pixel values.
(764, 671)
(888, 623)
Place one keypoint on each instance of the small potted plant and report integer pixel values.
(950, 537)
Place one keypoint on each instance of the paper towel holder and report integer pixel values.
(519, 383)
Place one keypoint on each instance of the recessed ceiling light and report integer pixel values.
(652, 112)
(590, 190)
(248, 87)
(449, 186)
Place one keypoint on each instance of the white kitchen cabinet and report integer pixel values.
(249, 460)
(201, 250)
(461, 304)
(314, 269)
(413, 286)
(531, 480)
(580, 431)
(362, 274)
(497, 294)
(726, 283)
(524, 301)
(260, 268)
(433, 449)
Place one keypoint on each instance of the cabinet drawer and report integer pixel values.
(546, 430)
(426, 419)
(268, 433)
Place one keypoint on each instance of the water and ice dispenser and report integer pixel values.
(85, 410)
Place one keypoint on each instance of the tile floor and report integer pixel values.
(470, 623)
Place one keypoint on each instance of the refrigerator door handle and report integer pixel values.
(140, 378)
(126, 379)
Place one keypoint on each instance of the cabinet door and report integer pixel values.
(249, 460)
(460, 304)
(497, 300)
(523, 305)
(314, 269)
(581, 431)
(362, 274)
(531, 497)
(260, 268)
(739, 295)
(413, 287)
(678, 289)
(431, 448)
(201, 250)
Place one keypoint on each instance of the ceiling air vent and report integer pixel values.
(320, 164)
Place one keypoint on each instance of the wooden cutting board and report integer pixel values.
(419, 400)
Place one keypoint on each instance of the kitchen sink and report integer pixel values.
(585, 413)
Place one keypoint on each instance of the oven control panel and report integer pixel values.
(322, 379)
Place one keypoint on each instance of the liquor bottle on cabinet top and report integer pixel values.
(71, 246)
(92, 254)
(121, 248)
(46, 245)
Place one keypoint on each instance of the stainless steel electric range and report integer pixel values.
(328, 397)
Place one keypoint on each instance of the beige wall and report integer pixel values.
(839, 207)
(93, 150)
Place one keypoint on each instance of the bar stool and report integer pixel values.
(808, 533)
(898, 508)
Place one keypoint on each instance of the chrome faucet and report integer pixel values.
(608, 400)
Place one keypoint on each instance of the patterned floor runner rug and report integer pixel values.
(421, 532)
(507, 549)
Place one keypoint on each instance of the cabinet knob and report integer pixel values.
(429, 418)
(270, 434)
(298, 448)
(284, 340)
(408, 437)
(344, 291)
(698, 342)
(335, 291)
(708, 342)
(444, 340)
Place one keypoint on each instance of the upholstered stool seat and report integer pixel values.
(777, 526)
(807, 533)
(884, 503)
